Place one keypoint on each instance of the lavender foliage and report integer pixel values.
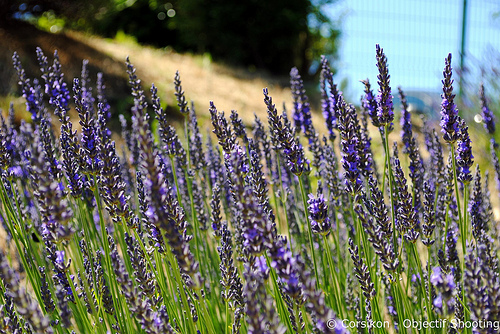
(185, 233)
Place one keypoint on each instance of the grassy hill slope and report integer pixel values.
(202, 79)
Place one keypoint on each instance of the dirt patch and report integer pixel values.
(202, 79)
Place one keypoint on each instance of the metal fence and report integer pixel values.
(416, 36)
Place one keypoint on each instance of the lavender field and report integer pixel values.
(270, 228)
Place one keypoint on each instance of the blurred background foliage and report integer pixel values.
(268, 35)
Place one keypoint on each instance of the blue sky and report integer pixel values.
(416, 36)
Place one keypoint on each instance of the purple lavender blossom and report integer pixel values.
(476, 208)
(349, 143)
(50, 194)
(449, 111)
(370, 104)
(482, 284)
(179, 94)
(362, 271)
(261, 138)
(464, 154)
(86, 88)
(55, 87)
(261, 312)
(258, 180)
(377, 235)
(48, 302)
(32, 93)
(5, 156)
(488, 117)
(224, 133)
(60, 258)
(230, 282)
(139, 308)
(101, 96)
(22, 299)
(147, 282)
(301, 109)
(103, 110)
(406, 216)
(168, 134)
(282, 135)
(406, 126)
(164, 211)
(71, 160)
(195, 142)
(318, 214)
(90, 139)
(329, 97)
(111, 184)
(315, 300)
(445, 286)
(429, 222)
(238, 126)
(365, 150)
(384, 98)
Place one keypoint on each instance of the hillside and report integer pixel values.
(202, 79)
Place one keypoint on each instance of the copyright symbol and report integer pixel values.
(331, 323)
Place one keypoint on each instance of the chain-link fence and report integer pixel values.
(416, 35)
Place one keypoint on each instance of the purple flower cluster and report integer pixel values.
(284, 137)
(385, 107)
(406, 126)
(179, 94)
(329, 98)
(449, 111)
(318, 214)
(488, 116)
(16, 292)
(445, 286)
(164, 210)
(31, 92)
(406, 217)
(301, 108)
(464, 154)
(350, 145)
(369, 103)
(55, 87)
(149, 262)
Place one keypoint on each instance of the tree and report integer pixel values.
(75, 9)
(273, 35)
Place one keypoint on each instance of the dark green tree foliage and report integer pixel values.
(275, 35)
(83, 10)
(268, 34)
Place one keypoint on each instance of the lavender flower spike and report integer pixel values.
(406, 126)
(32, 93)
(384, 98)
(328, 102)
(90, 140)
(488, 117)
(449, 111)
(164, 211)
(301, 109)
(318, 210)
(370, 104)
(445, 286)
(349, 143)
(464, 154)
(179, 95)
